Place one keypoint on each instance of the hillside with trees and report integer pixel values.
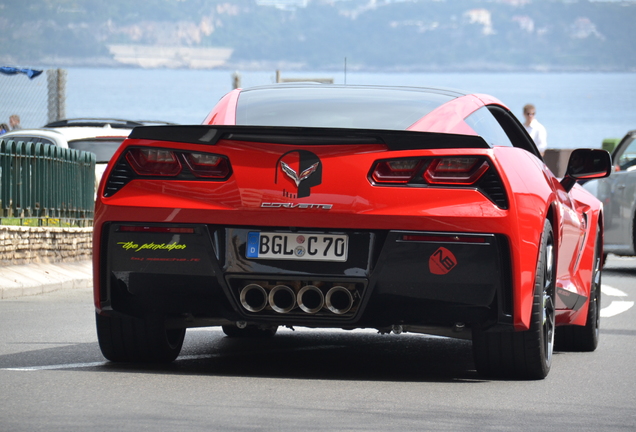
(390, 35)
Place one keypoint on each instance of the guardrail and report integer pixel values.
(42, 184)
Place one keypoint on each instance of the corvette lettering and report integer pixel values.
(151, 246)
(297, 205)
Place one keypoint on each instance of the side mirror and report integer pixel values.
(586, 164)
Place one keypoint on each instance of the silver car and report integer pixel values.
(618, 194)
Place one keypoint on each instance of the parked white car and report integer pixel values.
(96, 135)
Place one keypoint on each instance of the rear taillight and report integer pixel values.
(207, 165)
(158, 162)
(455, 170)
(168, 164)
(396, 171)
(449, 171)
(154, 162)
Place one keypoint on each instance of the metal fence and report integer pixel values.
(42, 184)
(36, 101)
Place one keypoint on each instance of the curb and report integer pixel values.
(33, 279)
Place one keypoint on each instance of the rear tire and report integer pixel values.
(585, 338)
(525, 354)
(128, 339)
(249, 331)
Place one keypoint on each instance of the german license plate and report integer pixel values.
(291, 246)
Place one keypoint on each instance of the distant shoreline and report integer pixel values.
(255, 66)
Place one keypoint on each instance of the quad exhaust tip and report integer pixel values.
(339, 300)
(282, 298)
(253, 298)
(310, 299)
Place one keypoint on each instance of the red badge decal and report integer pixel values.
(442, 261)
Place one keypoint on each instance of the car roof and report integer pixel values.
(61, 136)
(104, 122)
(363, 88)
(62, 132)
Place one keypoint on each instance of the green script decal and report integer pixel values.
(151, 246)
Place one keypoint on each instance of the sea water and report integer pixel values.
(577, 109)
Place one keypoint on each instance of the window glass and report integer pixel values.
(485, 124)
(28, 138)
(104, 149)
(627, 159)
(338, 107)
(43, 141)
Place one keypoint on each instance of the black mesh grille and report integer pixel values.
(491, 186)
(120, 176)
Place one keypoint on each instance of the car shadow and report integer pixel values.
(343, 356)
(337, 355)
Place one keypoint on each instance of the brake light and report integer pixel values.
(208, 165)
(442, 238)
(155, 229)
(455, 170)
(396, 171)
(154, 162)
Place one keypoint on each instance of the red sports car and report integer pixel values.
(401, 209)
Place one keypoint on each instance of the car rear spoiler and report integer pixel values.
(305, 136)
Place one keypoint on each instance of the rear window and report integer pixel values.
(26, 139)
(104, 149)
(337, 107)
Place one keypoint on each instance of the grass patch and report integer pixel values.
(44, 222)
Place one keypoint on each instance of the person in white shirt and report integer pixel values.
(535, 129)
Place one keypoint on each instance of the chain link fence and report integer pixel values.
(36, 101)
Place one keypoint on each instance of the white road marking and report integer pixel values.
(53, 367)
(616, 306)
(611, 291)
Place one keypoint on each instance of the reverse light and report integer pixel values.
(396, 171)
(455, 170)
(207, 165)
(154, 162)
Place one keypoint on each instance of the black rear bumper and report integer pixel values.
(201, 273)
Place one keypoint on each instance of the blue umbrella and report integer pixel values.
(14, 71)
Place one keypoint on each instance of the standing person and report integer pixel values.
(3, 128)
(535, 129)
(14, 122)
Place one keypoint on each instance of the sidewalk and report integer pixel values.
(32, 279)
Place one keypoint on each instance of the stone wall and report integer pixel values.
(26, 245)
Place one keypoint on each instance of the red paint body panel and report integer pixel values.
(224, 113)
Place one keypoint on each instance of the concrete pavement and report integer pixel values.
(32, 279)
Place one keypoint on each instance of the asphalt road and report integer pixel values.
(53, 378)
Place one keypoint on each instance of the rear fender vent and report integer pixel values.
(119, 177)
(492, 187)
